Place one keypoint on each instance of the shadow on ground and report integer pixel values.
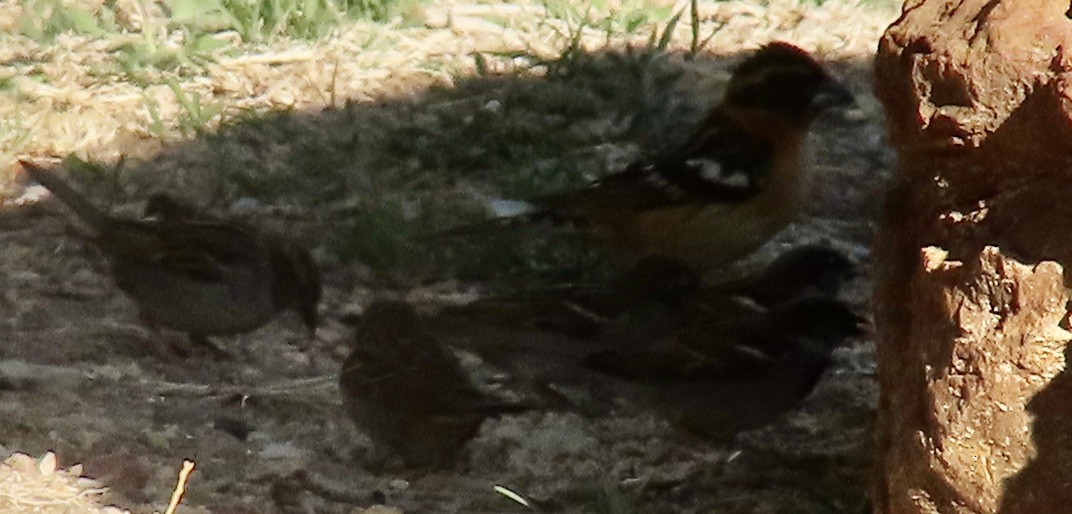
(363, 184)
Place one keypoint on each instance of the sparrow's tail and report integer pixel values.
(91, 215)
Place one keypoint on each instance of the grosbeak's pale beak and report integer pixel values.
(739, 178)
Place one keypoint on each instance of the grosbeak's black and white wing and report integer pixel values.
(718, 164)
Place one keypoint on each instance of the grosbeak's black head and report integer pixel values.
(786, 81)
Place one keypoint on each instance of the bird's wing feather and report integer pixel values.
(202, 251)
(716, 165)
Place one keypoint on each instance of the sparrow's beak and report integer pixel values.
(832, 94)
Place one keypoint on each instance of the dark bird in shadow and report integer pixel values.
(713, 360)
(410, 394)
(718, 381)
(200, 276)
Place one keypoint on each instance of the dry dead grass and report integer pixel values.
(28, 485)
(70, 95)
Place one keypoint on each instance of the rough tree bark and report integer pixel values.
(971, 297)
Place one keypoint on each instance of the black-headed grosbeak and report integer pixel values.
(681, 352)
(742, 375)
(735, 182)
(410, 394)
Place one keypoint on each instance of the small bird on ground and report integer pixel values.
(714, 361)
(657, 283)
(581, 309)
(409, 393)
(806, 270)
(717, 388)
(199, 276)
(736, 181)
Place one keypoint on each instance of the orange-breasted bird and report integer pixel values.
(738, 179)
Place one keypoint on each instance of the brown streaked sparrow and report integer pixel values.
(199, 276)
(410, 394)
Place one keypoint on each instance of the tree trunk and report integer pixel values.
(970, 295)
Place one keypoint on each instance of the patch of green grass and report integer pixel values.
(136, 58)
(253, 20)
(42, 20)
(389, 235)
(196, 115)
(627, 19)
(529, 137)
(523, 141)
(405, 170)
(259, 19)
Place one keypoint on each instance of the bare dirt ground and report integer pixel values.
(81, 377)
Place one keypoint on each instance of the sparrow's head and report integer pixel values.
(806, 270)
(299, 282)
(387, 327)
(821, 319)
(784, 80)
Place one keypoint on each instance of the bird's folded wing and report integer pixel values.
(201, 251)
(670, 360)
(716, 165)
